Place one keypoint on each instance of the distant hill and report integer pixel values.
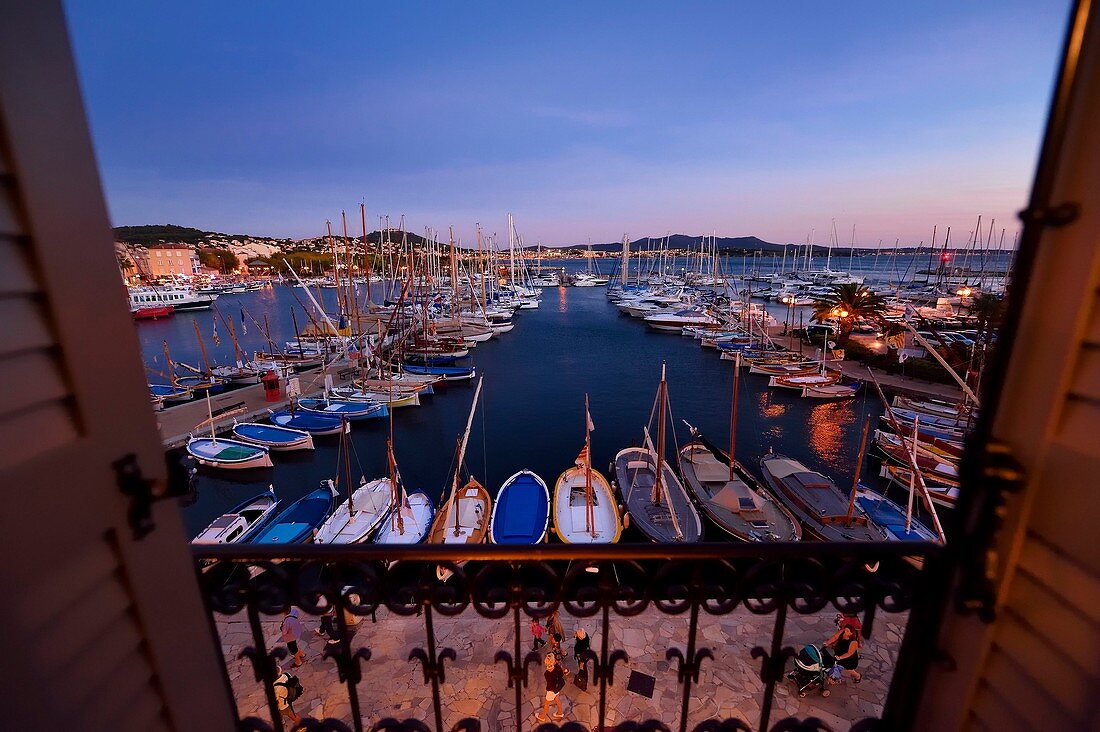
(683, 241)
(152, 234)
(160, 233)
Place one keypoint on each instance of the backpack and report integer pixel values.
(293, 687)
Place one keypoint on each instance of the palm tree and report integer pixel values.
(846, 304)
(988, 310)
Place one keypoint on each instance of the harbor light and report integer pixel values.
(964, 292)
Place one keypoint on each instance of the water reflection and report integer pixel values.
(563, 299)
(769, 407)
(828, 423)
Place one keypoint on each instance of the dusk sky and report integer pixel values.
(584, 120)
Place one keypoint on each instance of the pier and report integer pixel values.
(177, 423)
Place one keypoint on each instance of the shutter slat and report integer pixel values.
(1072, 582)
(997, 712)
(1086, 376)
(1077, 427)
(1031, 700)
(24, 325)
(128, 682)
(51, 425)
(37, 379)
(9, 218)
(1033, 663)
(1077, 636)
(15, 275)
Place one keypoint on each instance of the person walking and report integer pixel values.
(537, 632)
(845, 645)
(287, 691)
(557, 632)
(291, 634)
(581, 644)
(554, 674)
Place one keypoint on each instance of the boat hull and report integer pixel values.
(521, 511)
(228, 454)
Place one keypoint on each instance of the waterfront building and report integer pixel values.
(168, 261)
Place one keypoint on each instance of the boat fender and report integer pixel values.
(626, 518)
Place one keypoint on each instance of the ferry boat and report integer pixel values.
(178, 298)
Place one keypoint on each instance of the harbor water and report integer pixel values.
(531, 413)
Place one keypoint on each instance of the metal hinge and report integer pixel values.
(1001, 474)
(1053, 216)
(143, 491)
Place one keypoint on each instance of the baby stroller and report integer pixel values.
(811, 669)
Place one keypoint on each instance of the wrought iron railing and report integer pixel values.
(607, 582)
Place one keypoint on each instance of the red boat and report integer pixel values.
(152, 313)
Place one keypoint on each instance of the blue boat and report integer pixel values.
(311, 422)
(273, 437)
(170, 393)
(891, 517)
(430, 360)
(298, 522)
(449, 373)
(348, 410)
(521, 512)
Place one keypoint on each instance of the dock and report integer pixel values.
(891, 383)
(177, 423)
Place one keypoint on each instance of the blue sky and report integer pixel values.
(584, 120)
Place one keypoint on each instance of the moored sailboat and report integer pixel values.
(584, 503)
(521, 511)
(464, 517)
(658, 504)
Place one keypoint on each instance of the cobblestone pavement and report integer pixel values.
(729, 685)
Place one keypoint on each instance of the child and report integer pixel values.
(537, 632)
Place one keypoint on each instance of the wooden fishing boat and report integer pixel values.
(355, 519)
(658, 503)
(170, 392)
(584, 506)
(351, 394)
(948, 450)
(228, 454)
(202, 384)
(844, 390)
(825, 512)
(927, 462)
(907, 416)
(311, 422)
(448, 373)
(801, 382)
(895, 520)
(925, 431)
(239, 524)
(521, 511)
(273, 437)
(464, 517)
(352, 411)
(409, 522)
(942, 491)
(784, 369)
(300, 519)
(934, 408)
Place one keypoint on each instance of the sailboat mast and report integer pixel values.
(859, 469)
(661, 399)
(461, 453)
(169, 365)
(589, 510)
(366, 251)
(913, 476)
(202, 348)
(733, 411)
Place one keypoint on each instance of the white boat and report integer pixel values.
(676, 320)
(355, 519)
(240, 523)
(179, 298)
(409, 522)
(222, 452)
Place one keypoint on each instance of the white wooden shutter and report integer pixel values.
(100, 631)
(1036, 666)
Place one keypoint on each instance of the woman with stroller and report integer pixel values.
(845, 645)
